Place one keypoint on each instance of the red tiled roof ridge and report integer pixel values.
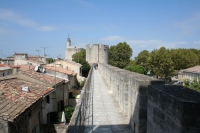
(19, 53)
(194, 69)
(46, 78)
(8, 77)
(4, 65)
(62, 70)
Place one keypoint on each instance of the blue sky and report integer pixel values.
(26, 26)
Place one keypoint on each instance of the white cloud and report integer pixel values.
(76, 27)
(7, 31)
(189, 25)
(113, 39)
(197, 42)
(86, 4)
(143, 43)
(47, 28)
(10, 16)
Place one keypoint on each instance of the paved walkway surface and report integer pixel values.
(104, 114)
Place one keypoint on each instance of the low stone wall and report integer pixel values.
(130, 90)
(54, 128)
(76, 124)
(173, 109)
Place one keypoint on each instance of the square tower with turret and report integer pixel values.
(71, 50)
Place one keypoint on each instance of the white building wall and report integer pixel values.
(71, 51)
(54, 98)
(5, 72)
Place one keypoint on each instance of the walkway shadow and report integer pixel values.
(108, 129)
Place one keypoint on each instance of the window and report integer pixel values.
(60, 105)
(48, 99)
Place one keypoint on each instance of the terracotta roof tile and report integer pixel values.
(61, 70)
(4, 67)
(195, 69)
(20, 53)
(34, 61)
(14, 101)
(24, 69)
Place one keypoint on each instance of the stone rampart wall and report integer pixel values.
(173, 109)
(151, 106)
(130, 90)
(76, 124)
(54, 128)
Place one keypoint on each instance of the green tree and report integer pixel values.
(137, 69)
(132, 63)
(50, 60)
(68, 113)
(142, 58)
(119, 55)
(80, 57)
(184, 58)
(161, 63)
(197, 52)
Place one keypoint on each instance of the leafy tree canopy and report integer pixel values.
(50, 60)
(80, 57)
(119, 55)
(161, 63)
(142, 58)
(184, 58)
(132, 63)
(137, 69)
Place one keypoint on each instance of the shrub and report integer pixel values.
(82, 83)
(68, 113)
(137, 69)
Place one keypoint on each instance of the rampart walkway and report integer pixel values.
(104, 114)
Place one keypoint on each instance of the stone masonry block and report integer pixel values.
(173, 109)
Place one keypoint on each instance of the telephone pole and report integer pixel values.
(44, 54)
(38, 53)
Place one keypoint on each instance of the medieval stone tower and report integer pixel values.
(97, 53)
(70, 50)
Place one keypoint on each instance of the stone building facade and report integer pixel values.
(189, 73)
(97, 53)
(70, 50)
(24, 58)
(5, 70)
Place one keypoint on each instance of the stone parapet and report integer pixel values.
(130, 90)
(173, 109)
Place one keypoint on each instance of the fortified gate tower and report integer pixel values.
(97, 53)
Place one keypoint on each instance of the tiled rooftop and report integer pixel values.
(20, 53)
(14, 101)
(61, 70)
(34, 61)
(195, 69)
(24, 69)
(72, 62)
(4, 67)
